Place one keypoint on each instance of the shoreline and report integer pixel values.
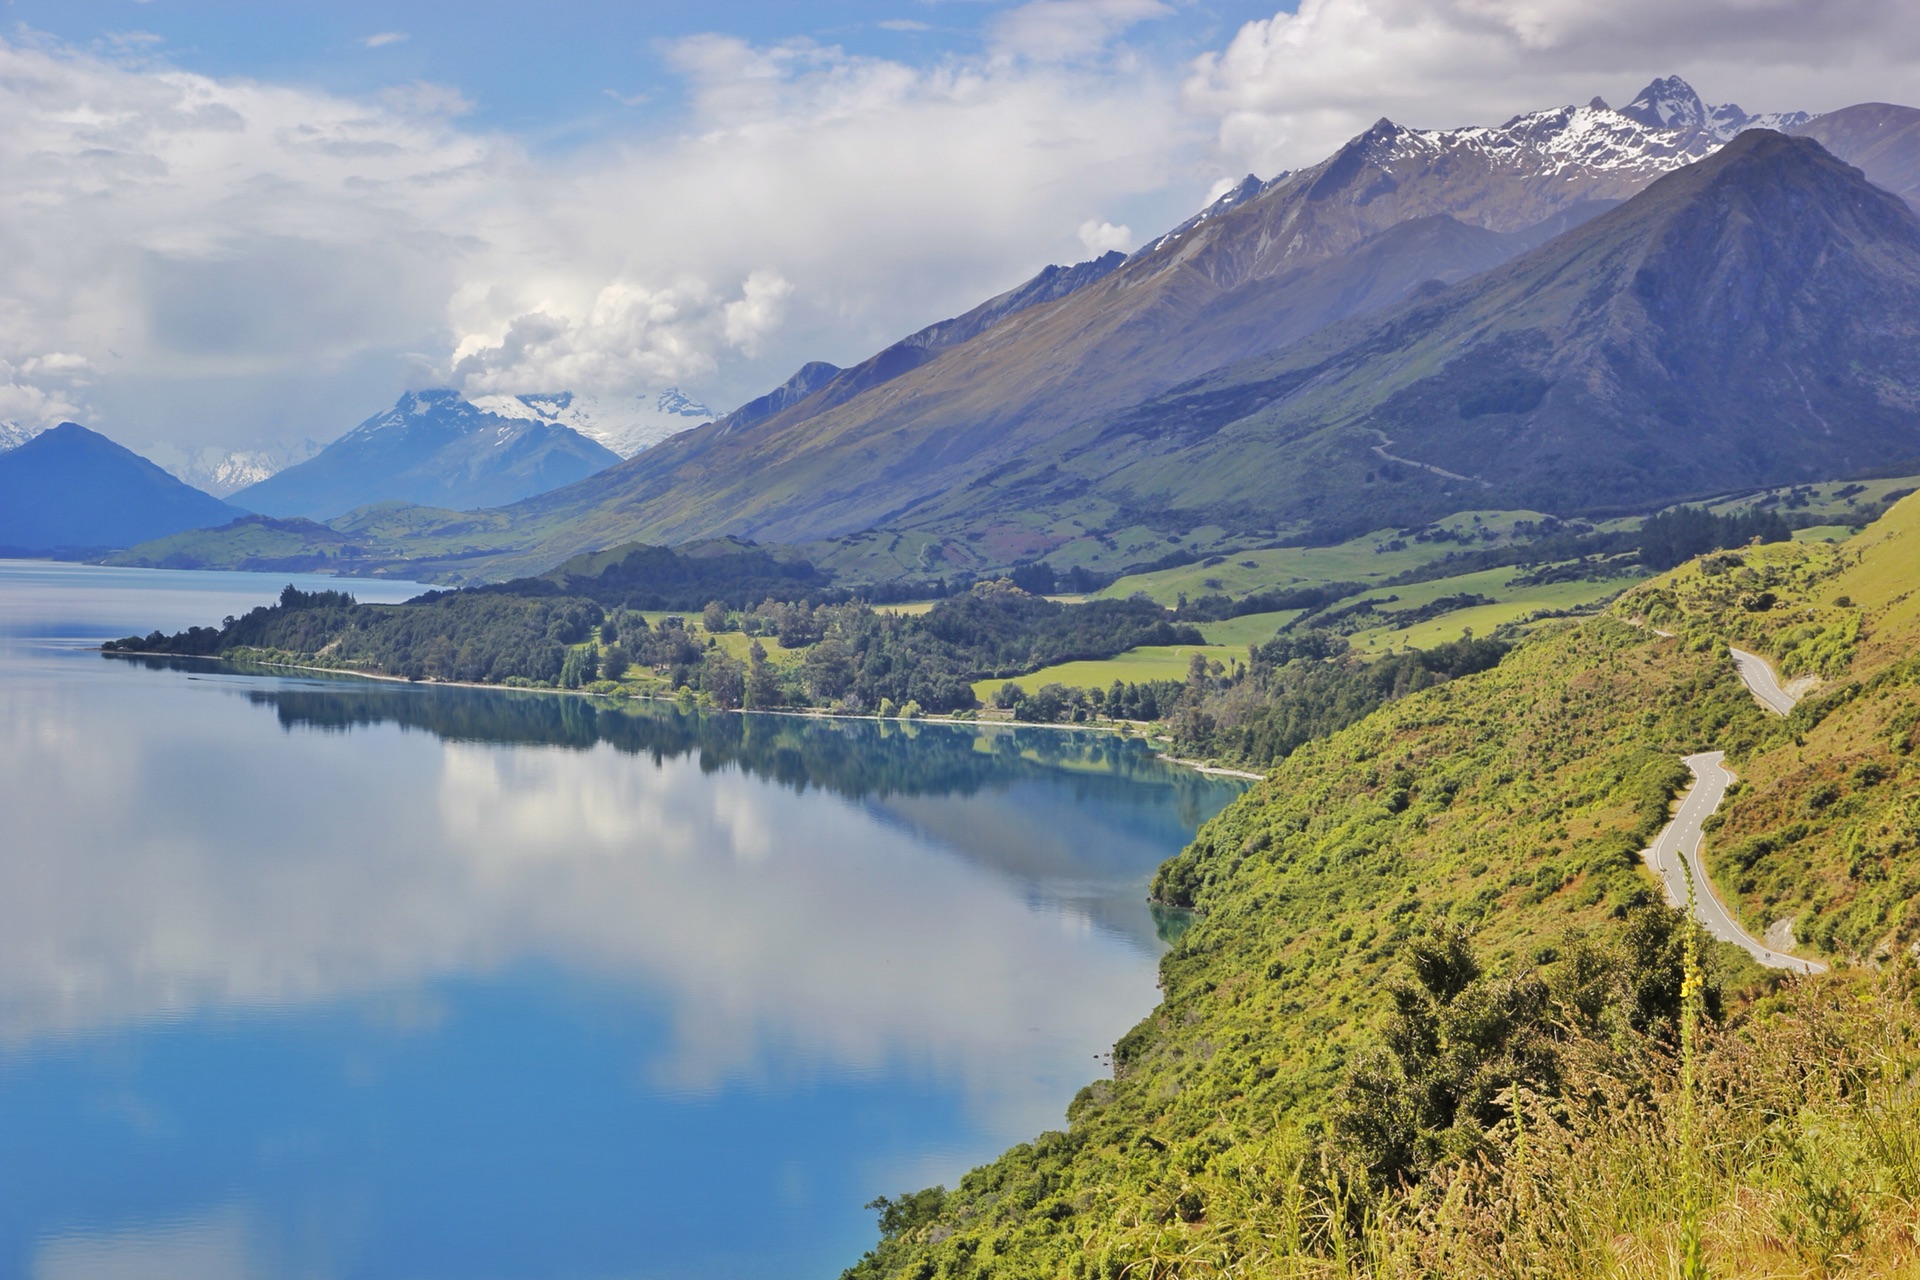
(1198, 766)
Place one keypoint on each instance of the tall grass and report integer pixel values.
(1784, 1145)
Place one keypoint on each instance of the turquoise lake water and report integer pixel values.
(324, 977)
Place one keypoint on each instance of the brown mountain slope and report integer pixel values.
(1882, 140)
(1259, 271)
(1752, 319)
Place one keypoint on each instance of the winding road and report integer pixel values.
(1757, 673)
(1675, 856)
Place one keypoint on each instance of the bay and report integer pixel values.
(317, 976)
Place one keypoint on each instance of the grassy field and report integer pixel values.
(1251, 629)
(1483, 619)
(1511, 604)
(1824, 533)
(1361, 560)
(1149, 662)
(1824, 499)
(1231, 639)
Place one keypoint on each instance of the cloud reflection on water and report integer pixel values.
(176, 855)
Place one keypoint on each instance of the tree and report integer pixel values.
(1035, 579)
(582, 666)
(724, 680)
(615, 662)
(827, 670)
(715, 617)
(763, 683)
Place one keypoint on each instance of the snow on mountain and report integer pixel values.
(224, 471)
(14, 434)
(435, 448)
(1241, 192)
(1671, 104)
(1666, 127)
(624, 424)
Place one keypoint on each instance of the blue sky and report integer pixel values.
(557, 73)
(230, 224)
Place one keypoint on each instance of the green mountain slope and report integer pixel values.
(1245, 1117)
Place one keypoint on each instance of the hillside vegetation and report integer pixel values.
(1430, 1016)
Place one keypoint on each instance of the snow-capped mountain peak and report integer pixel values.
(220, 471)
(1665, 127)
(15, 434)
(1670, 103)
(675, 401)
(624, 424)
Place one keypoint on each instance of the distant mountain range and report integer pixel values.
(1582, 309)
(949, 435)
(13, 435)
(623, 424)
(71, 489)
(436, 449)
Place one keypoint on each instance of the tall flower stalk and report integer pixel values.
(1693, 1264)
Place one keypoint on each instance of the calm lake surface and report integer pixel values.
(316, 977)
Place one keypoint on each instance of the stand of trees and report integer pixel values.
(858, 660)
(1669, 538)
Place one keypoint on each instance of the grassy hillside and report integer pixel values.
(1242, 1131)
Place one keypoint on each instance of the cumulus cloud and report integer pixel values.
(1102, 237)
(822, 204)
(170, 230)
(31, 405)
(1288, 90)
(217, 252)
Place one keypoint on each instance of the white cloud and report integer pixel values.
(1288, 90)
(233, 258)
(383, 38)
(761, 307)
(1102, 237)
(817, 195)
(25, 400)
(1060, 30)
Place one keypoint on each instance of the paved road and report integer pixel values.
(1758, 675)
(1676, 851)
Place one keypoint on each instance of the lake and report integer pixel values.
(307, 976)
